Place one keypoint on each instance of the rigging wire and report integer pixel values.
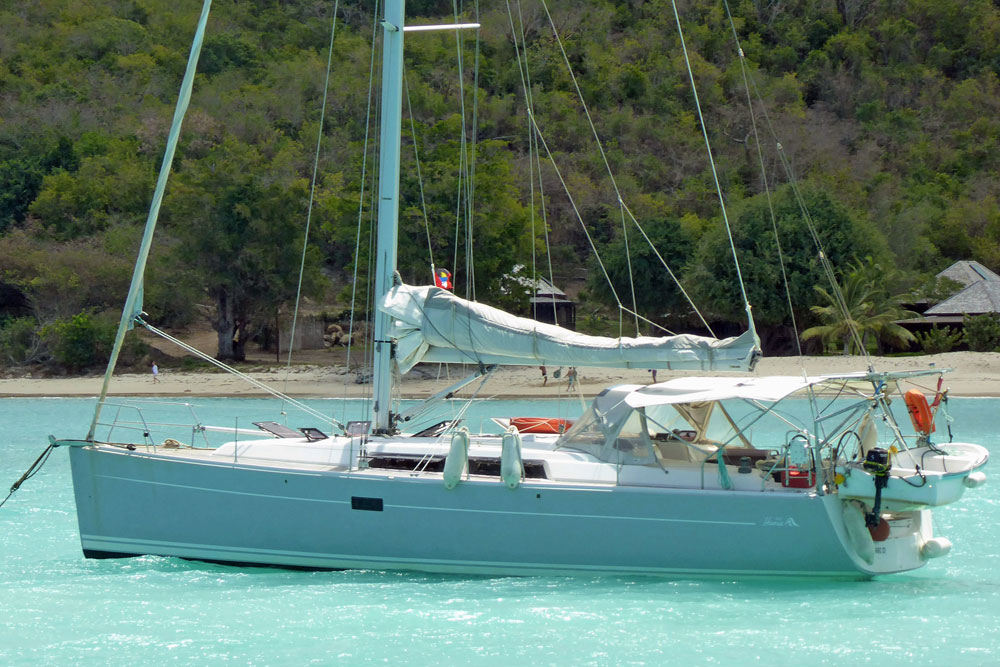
(711, 160)
(604, 157)
(473, 149)
(545, 218)
(579, 217)
(748, 81)
(628, 262)
(361, 205)
(312, 195)
(133, 302)
(810, 226)
(625, 210)
(763, 175)
(671, 273)
(371, 297)
(824, 260)
(465, 177)
(243, 376)
(534, 159)
(420, 178)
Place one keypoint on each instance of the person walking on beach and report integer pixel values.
(545, 375)
(571, 378)
(156, 373)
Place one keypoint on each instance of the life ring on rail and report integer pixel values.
(540, 424)
(920, 412)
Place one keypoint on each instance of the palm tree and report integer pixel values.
(871, 311)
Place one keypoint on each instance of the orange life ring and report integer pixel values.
(920, 412)
(540, 424)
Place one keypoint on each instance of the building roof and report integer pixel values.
(968, 272)
(540, 286)
(933, 320)
(978, 298)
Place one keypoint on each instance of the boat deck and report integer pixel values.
(424, 460)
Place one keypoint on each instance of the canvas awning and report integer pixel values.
(699, 389)
(770, 389)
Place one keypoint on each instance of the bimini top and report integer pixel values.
(772, 388)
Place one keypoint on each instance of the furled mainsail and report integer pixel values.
(430, 324)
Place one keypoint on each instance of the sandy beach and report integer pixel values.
(974, 374)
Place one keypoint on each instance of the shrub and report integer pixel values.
(939, 339)
(982, 332)
(19, 342)
(81, 341)
(134, 350)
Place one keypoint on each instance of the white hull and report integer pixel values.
(190, 504)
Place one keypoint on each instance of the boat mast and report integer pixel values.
(388, 205)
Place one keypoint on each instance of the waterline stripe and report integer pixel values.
(356, 561)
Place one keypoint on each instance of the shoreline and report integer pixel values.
(973, 374)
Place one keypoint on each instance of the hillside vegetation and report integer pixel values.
(888, 114)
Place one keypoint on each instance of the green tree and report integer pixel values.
(712, 275)
(982, 332)
(870, 311)
(657, 295)
(242, 235)
(59, 280)
(939, 339)
(21, 177)
(501, 231)
(81, 341)
(19, 341)
(113, 185)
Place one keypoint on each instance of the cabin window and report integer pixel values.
(632, 444)
(477, 465)
(588, 434)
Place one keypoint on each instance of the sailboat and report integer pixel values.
(800, 476)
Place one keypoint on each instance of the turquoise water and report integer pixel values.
(58, 608)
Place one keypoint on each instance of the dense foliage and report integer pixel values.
(982, 332)
(888, 113)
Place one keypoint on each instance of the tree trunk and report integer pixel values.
(229, 326)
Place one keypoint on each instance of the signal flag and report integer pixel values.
(442, 279)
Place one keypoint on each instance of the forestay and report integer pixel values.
(430, 324)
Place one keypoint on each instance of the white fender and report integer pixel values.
(974, 479)
(511, 467)
(936, 547)
(457, 463)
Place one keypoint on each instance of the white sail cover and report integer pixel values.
(431, 324)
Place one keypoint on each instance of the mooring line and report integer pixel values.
(30, 472)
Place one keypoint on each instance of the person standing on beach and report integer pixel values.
(571, 377)
(156, 373)
(545, 375)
